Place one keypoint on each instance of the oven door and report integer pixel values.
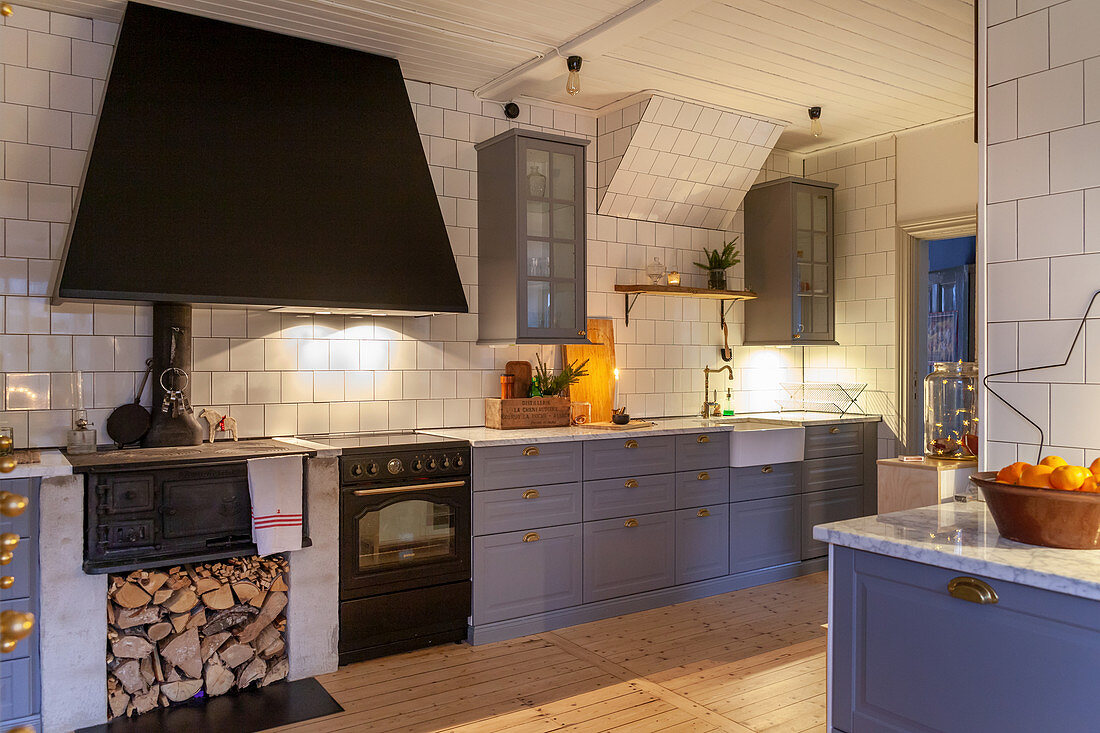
(399, 537)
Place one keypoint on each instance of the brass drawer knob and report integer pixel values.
(6, 582)
(631, 483)
(6, 556)
(12, 505)
(834, 430)
(630, 444)
(766, 469)
(531, 494)
(14, 627)
(531, 451)
(531, 537)
(703, 439)
(582, 333)
(703, 476)
(972, 589)
(703, 513)
(9, 541)
(631, 522)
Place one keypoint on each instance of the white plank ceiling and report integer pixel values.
(874, 66)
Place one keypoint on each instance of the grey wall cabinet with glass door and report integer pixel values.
(789, 262)
(531, 239)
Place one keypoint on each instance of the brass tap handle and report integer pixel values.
(630, 444)
(972, 589)
(631, 522)
(703, 439)
(6, 581)
(531, 494)
(703, 476)
(703, 513)
(531, 450)
(12, 505)
(834, 430)
(14, 627)
(9, 541)
(531, 537)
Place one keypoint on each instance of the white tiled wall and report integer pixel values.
(1042, 209)
(288, 374)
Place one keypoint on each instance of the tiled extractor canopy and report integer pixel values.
(666, 160)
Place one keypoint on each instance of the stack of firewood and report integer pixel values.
(172, 633)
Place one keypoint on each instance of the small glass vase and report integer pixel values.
(655, 271)
(716, 279)
(951, 410)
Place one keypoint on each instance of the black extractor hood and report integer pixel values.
(238, 166)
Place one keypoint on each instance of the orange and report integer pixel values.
(1095, 467)
(1037, 477)
(1011, 474)
(1054, 461)
(1069, 478)
(1091, 485)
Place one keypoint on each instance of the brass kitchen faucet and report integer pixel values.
(712, 408)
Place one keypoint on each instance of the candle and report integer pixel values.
(615, 395)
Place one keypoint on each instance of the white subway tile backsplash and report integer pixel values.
(228, 387)
(1018, 47)
(1051, 100)
(297, 386)
(281, 419)
(246, 355)
(1008, 280)
(1073, 31)
(264, 387)
(1019, 169)
(1075, 158)
(1073, 280)
(1051, 225)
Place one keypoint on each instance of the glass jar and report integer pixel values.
(951, 410)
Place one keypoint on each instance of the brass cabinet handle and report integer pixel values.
(12, 505)
(972, 589)
(834, 430)
(631, 483)
(14, 627)
(703, 476)
(531, 494)
(631, 522)
(582, 333)
(8, 541)
(703, 439)
(6, 582)
(703, 513)
(630, 444)
(531, 537)
(531, 451)
(766, 469)
(6, 556)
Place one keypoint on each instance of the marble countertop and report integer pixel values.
(963, 536)
(481, 436)
(51, 463)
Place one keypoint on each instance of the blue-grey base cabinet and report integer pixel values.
(630, 555)
(907, 656)
(765, 532)
(19, 683)
(702, 543)
(521, 573)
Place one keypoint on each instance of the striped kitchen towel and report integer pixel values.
(275, 487)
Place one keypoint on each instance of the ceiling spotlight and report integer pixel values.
(573, 83)
(6, 10)
(815, 121)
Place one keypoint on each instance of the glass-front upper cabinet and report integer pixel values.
(789, 262)
(531, 239)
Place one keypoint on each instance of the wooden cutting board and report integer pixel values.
(598, 386)
(521, 370)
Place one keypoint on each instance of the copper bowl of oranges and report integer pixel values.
(1051, 504)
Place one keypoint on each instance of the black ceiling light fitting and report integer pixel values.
(573, 82)
(511, 110)
(815, 121)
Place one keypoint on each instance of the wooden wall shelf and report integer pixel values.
(682, 292)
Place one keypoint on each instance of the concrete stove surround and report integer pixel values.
(73, 606)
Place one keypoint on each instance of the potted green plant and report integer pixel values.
(717, 263)
(549, 384)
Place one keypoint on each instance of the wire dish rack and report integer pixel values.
(839, 397)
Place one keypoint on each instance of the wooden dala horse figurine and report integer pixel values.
(219, 423)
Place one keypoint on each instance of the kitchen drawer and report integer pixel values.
(626, 457)
(765, 532)
(823, 441)
(525, 464)
(617, 497)
(17, 682)
(26, 646)
(702, 543)
(698, 488)
(521, 573)
(23, 568)
(762, 482)
(24, 524)
(832, 473)
(820, 507)
(510, 510)
(702, 450)
(629, 555)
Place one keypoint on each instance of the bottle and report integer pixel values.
(728, 410)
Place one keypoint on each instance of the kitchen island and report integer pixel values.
(937, 623)
(571, 524)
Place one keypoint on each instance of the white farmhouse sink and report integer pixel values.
(756, 442)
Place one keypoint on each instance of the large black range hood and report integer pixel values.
(238, 166)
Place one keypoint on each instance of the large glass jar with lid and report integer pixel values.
(951, 410)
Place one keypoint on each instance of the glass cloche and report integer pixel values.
(951, 410)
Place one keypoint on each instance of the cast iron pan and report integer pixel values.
(127, 424)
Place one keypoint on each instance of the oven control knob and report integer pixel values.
(357, 469)
(372, 468)
(417, 464)
(431, 464)
(446, 462)
(394, 466)
(458, 462)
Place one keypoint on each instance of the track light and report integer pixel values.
(573, 82)
(815, 121)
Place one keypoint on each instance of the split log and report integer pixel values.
(245, 590)
(184, 599)
(182, 690)
(218, 678)
(179, 621)
(229, 618)
(275, 649)
(235, 655)
(127, 618)
(162, 595)
(267, 639)
(272, 607)
(131, 596)
(198, 618)
(279, 584)
(131, 647)
(129, 674)
(205, 585)
(257, 601)
(254, 670)
(179, 582)
(117, 702)
(219, 599)
(276, 672)
(156, 632)
(152, 582)
(147, 700)
(158, 667)
(183, 651)
(211, 643)
(147, 671)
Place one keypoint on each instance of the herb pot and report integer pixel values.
(716, 279)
